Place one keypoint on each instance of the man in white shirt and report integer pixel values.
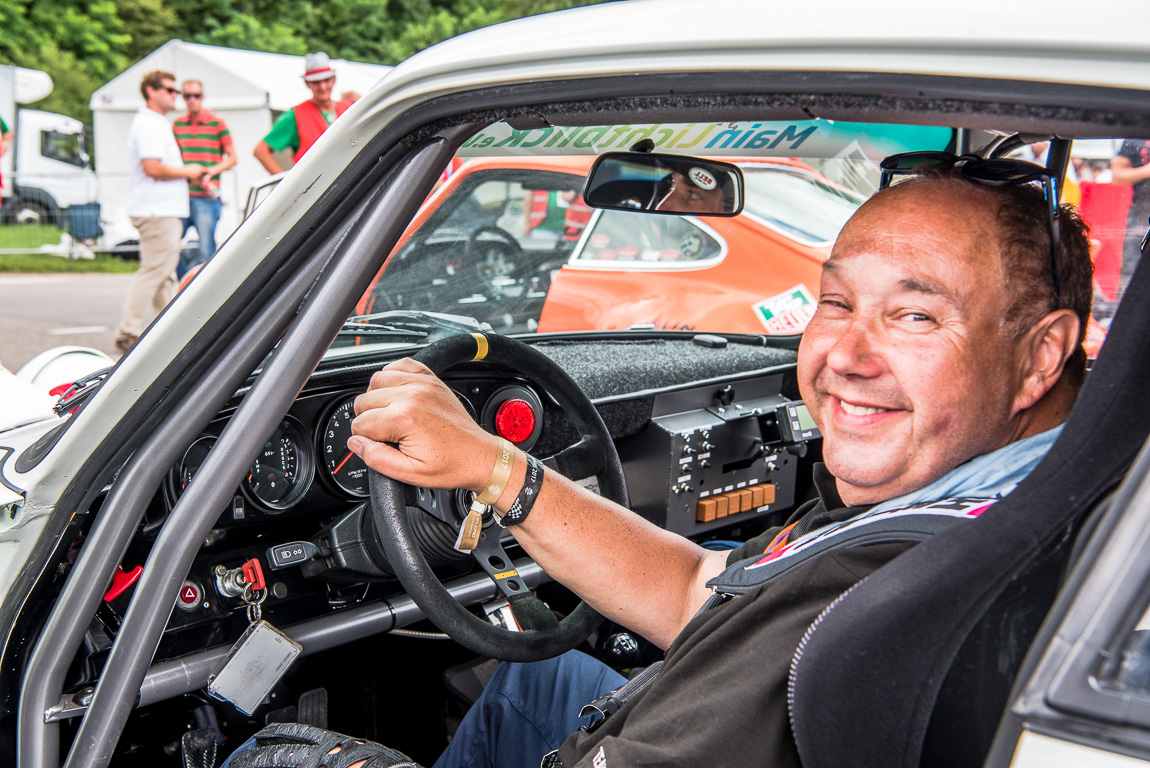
(157, 204)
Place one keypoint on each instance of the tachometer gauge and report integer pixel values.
(344, 468)
(191, 462)
(281, 473)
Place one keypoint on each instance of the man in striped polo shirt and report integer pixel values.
(204, 140)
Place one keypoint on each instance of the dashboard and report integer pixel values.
(712, 438)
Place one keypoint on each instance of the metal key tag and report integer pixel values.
(255, 663)
(468, 537)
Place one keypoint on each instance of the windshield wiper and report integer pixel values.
(81, 391)
(381, 332)
(410, 325)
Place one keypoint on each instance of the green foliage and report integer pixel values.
(84, 43)
(73, 83)
(148, 23)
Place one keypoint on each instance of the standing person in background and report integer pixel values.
(350, 97)
(1132, 166)
(5, 142)
(204, 140)
(157, 204)
(300, 126)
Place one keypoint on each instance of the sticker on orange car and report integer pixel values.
(788, 312)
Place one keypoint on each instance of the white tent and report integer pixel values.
(248, 89)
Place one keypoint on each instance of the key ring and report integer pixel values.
(253, 598)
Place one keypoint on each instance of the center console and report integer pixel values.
(719, 454)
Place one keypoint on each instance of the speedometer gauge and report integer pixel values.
(281, 473)
(344, 468)
(181, 476)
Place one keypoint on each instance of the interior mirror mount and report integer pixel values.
(658, 183)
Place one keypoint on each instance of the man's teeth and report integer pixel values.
(861, 410)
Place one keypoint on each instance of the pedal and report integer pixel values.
(282, 715)
(466, 681)
(312, 708)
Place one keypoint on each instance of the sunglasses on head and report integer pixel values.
(994, 172)
(193, 95)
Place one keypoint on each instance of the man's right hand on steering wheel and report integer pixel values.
(412, 428)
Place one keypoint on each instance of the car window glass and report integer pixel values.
(65, 147)
(798, 204)
(620, 237)
(507, 240)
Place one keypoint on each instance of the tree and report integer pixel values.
(84, 43)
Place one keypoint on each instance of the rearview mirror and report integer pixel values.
(639, 181)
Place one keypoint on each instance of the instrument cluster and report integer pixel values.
(306, 467)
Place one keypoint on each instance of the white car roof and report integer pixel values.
(1042, 41)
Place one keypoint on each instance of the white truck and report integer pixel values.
(48, 166)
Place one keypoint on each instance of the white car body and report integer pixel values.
(979, 42)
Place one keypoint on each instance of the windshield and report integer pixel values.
(507, 242)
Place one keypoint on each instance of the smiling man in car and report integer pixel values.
(941, 362)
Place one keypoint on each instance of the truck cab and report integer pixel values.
(51, 168)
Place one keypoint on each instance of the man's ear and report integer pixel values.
(1044, 351)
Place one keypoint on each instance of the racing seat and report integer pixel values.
(914, 666)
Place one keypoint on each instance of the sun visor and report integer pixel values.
(804, 138)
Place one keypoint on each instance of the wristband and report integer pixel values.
(493, 489)
(523, 503)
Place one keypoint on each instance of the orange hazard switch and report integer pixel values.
(705, 510)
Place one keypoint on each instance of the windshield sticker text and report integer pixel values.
(816, 138)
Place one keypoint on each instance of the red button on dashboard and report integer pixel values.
(515, 420)
(190, 596)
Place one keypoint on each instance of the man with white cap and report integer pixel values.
(300, 126)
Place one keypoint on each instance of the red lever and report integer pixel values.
(121, 581)
(253, 574)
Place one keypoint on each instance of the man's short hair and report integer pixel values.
(186, 83)
(1024, 247)
(1023, 219)
(154, 79)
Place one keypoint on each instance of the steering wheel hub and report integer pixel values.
(542, 635)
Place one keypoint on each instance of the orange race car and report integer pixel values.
(547, 262)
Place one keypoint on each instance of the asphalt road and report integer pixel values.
(42, 311)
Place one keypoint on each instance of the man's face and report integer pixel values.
(321, 89)
(164, 97)
(907, 365)
(687, 197)
(194, 97)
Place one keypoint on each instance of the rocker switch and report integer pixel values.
(293, 553)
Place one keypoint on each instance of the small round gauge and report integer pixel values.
(466, 404)
(282, 470)
(191, 462)
(344, 468)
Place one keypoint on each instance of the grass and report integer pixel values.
(33, 236)
(28, 235)
(38, 262)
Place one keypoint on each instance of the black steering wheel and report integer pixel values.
(542, 635)
(494, 251)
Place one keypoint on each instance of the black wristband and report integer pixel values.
(523, 503)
